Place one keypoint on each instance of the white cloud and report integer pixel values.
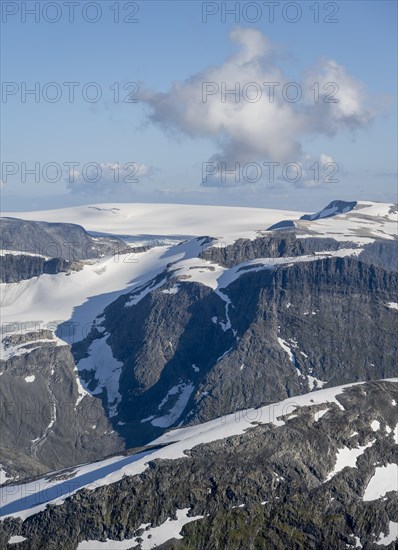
(245, 130)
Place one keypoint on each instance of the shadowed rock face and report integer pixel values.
(17, 268)
(332, 314)
(381, 253)
(274, 245)
(59, 248)
(183, 363)
(283, 243)
(43, 425)
(271, 487)
(54, 240)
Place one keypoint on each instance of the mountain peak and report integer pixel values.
(332, 209)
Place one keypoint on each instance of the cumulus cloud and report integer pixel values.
(107, 178)
(253, 111)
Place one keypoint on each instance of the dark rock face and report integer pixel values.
(284, 243)
(55, 240)
(333, 314)
(381, 253)
(270, 487)
(17, 268)
(274, 245)
(163, 341)
(43, 425)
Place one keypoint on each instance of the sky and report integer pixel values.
(273, 104)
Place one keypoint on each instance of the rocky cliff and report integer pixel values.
(189, 353)
(271, 487)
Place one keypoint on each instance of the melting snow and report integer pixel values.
(365, 223)
(375, 425)
(284, 345)
(347, 458)
(153, 537)
(319, 414)
(184, 391)
(358, 542)
(137, 297)
(384, 479)
(106, 369)
(4, 476)
(172, 290)
(392, 536)
(16, 538)
(315, 383)
(30, 378)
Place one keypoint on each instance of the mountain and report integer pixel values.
(153, 318)
(314, 471)
(32, 248)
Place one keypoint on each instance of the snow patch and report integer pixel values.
(172, 290)
(137, 297)
(152, 537)
(347, 458)
(385, 540)
(106, 369)
(375, 425)
(16, 538)
(184, 391)
(319, 414)
(4, 476)
(315, 383)
(285, 346)
(383, 480)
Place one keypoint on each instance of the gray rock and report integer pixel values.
(278, 476)
(55, 240)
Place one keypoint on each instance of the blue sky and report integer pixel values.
(170, 134)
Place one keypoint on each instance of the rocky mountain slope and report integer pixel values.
(103, 352)
(312, 472)
(189, 353)
(43, 424)
(54, 240)
(33, 248)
